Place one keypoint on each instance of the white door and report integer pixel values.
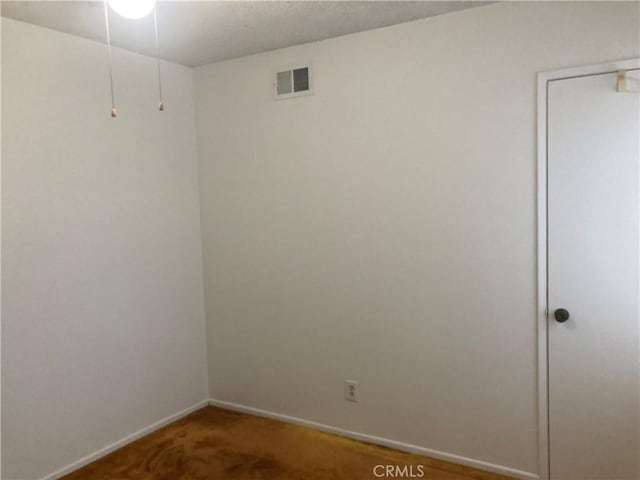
(593, 273)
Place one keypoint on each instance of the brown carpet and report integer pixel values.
(216, 444)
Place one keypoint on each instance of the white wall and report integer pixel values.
(102, 298)
(383, 229)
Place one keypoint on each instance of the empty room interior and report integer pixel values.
(320, 240)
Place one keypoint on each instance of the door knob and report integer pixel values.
(561, 315)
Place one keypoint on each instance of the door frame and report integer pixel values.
(542, 314)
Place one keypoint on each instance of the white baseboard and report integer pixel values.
(124, 441)
(449, 457)
(490, 467)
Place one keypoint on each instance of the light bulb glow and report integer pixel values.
(132, 8)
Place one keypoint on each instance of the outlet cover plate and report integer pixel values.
(351, 390)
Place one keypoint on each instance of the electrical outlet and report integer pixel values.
(351, 390)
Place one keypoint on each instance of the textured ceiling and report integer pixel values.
(196, 33)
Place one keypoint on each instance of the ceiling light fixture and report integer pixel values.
(133, 9)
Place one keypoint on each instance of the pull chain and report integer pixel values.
(155, 22)
(114, 112)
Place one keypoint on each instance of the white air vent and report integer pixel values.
(293, 82)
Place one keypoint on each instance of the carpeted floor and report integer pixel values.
(216, 444)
